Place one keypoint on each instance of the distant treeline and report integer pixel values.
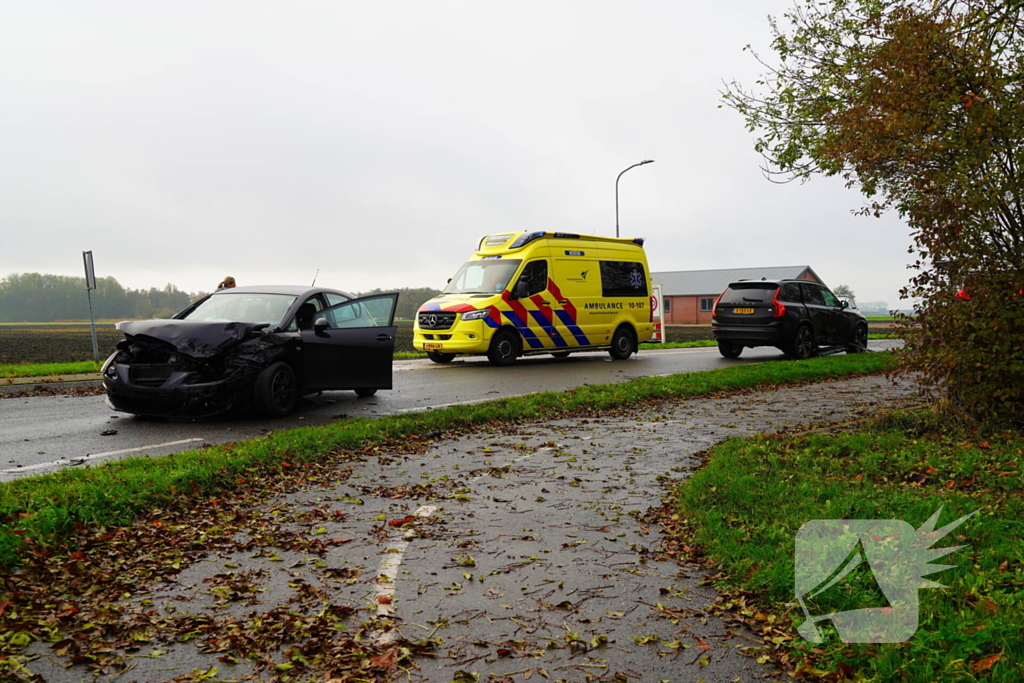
(35, 297)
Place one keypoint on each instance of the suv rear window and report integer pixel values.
(754, 292)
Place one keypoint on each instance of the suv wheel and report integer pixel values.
(803, 344)
(440, 357)
(504, 348)
(623, 343)
(859, 343)
(729, 349)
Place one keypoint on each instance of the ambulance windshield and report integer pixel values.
(488, 276)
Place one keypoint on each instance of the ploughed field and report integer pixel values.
(54, 342)
(70, 342)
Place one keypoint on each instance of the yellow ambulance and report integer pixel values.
(541, 292)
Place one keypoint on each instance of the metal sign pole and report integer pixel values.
(92, 328)
(90, 284)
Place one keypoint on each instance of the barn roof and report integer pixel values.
(714, 282)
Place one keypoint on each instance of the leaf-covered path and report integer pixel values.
(524, 552)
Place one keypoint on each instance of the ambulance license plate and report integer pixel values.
(743, 311)
(431, 346)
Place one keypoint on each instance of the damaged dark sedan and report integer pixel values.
(263, 347)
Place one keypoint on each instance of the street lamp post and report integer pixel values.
(645, 161)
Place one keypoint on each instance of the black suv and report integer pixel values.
(797, 317)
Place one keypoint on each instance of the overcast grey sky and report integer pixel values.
(378, 141)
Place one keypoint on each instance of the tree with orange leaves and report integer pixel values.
(920, 105)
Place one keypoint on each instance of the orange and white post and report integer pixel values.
(659, 327)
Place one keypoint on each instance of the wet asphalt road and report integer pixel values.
(42, 434)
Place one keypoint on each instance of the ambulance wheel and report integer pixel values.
(440, 357)
(504, 348)
(623, 343)
(560, 354)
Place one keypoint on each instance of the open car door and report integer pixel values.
(351, 345)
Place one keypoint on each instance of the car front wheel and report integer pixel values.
(277, 390)
(803, 344)
(729, 350)
(440, 357)
(504, 348)
(365, 393)
(859, 344)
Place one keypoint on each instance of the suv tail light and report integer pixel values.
(714, 309)
(780, 309)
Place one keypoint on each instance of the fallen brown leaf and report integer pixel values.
(987, 663)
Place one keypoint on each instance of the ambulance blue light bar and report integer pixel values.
(526, 239)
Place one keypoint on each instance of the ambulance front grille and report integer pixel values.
(436, 321)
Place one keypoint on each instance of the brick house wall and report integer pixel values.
(686, 309)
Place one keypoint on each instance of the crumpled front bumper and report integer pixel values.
(176, 397)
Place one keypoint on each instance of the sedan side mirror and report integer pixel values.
(844, 304)
(320, 326)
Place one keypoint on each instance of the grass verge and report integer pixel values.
(37, 512)
(48, 369)
(746, 505)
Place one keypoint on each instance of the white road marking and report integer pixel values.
(395, 554)
(546, 449)
(389, 566)
(94, 456)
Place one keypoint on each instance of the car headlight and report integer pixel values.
(476, 315)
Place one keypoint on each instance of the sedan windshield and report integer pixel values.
(482, 277)
(242, 307)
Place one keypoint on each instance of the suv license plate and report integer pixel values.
(431, 346)
(743, 311)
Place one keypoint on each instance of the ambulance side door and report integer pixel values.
(576, 287)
